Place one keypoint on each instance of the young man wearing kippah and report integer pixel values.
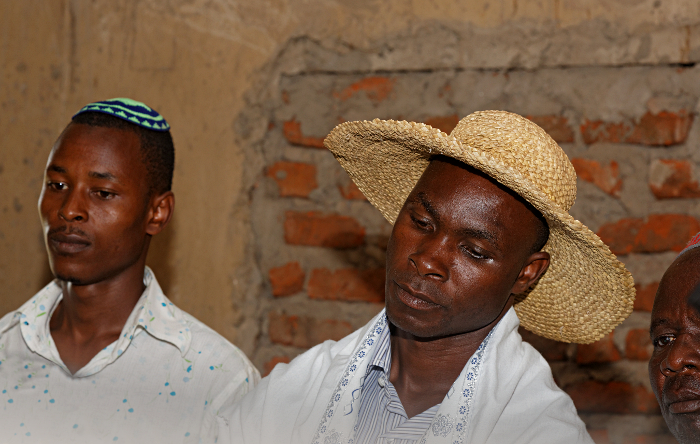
(674, 367)
(100, 354)
(482, 242)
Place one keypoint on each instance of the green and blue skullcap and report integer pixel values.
(130, 110)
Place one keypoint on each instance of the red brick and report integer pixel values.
(662, 129)
(657, 233)
(294, 179)
(612, 397)
(607, 177)
(638, 345)
(322, 230)
(670, 178)
(603, 350)
(650, 439)
(444, 123)
(599, 131)
(292, 132)
(644, 301)
(599, 436)
(551, 350)
(270, 365)
(305, 331)
(556, 126)
(287, 279)
(376, 89)
(348, 284)
(350, 191)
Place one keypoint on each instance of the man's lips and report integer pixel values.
(63, 243)
(689, 406)
(413, 298)
(684, 402)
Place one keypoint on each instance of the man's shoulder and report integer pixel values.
(45, 297)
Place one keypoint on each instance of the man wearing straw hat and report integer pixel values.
(482, 242)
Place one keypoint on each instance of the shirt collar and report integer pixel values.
(381, 357)
(157, 315)
(153, 313)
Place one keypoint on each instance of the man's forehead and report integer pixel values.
(679, 283)
(98, 149)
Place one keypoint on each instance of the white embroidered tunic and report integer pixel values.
(154, 384)
(505, 394)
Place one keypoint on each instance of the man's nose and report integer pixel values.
(683, 355)
(73, 207)
(431, 257)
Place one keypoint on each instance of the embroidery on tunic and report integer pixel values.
(367, 342)
(442, 425)
(333, 438)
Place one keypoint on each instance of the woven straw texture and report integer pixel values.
(586, 291)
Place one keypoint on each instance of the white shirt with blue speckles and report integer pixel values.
(165, 376)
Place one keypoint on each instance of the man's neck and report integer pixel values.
(423, 370)
(90, 317)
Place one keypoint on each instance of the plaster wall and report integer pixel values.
(217, 70)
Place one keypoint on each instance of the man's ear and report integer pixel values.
(534, 268)
(160, 211)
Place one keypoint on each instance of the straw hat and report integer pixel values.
(586, 291)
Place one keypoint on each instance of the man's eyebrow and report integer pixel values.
(56, 169)
(656, 323)
(105, 176)
(422, 199)
(480, 234)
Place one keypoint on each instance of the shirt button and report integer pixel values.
(382, 383)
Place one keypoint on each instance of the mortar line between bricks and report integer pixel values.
(482, 70)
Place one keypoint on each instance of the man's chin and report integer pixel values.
(70, 279)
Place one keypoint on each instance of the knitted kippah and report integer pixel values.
(129, 110)
(693, 243)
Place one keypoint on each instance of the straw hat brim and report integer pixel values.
(585, 292)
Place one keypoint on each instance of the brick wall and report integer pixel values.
(629, 132)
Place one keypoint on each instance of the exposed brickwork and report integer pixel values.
(294, 179)
(287, 279)
(603, 350)
(348, 284)
(322, 230)
(644, 301)
(612, 397)
(305, 331)
(377, 89)
(638, 345)
(351, 192)
(662, 129)
(444, 123)
(551, 350)
(556, 126)
(600, 436)
(669, 178)
(657, 233)
(605, 177)
(292, 132)
(649, 439)
(270, 365)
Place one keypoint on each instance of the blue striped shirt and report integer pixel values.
(381, 417)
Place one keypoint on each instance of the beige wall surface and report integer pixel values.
(250, 87)
(206, 65)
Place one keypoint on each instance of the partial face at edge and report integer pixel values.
(674, 368)
(456, 253)
(93, 206)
